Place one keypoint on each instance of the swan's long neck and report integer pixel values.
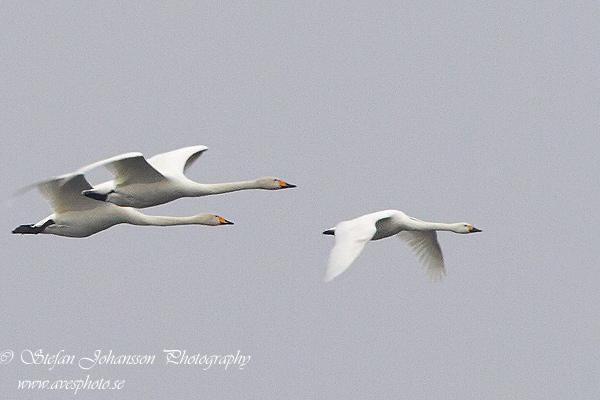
(138, 218)
(203, 189)
(419, 225)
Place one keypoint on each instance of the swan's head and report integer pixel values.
(271, 183)
(463, 227)
(211, 219)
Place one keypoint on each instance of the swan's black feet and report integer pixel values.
(26, 229)
(95, 195)
(32, 229)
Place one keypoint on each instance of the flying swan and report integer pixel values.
(78, 216)
(142, 183)
(351, 237)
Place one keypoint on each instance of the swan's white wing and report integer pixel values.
(25, 189)
(427, 248)
(81, 170)
(350, 239)
(106, 161)
(64, 193)
(176, 162)
(132, 168)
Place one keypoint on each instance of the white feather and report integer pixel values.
(351, 237)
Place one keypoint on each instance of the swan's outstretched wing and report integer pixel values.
(132, 168)
(24, 190)
(350, 239)
(81, 170)
(103, 163)
(176, 162)
(63, 193)
(427, 248)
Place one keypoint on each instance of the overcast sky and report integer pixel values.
(456, 111)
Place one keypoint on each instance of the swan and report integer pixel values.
(78, 216)
(142, 183)
(351, 237)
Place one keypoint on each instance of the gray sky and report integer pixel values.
(449, 112)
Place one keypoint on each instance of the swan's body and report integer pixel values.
(144, 183)
(351, 237)
(78, 216)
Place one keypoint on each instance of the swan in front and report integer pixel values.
(142, 183)
(78, 216)
(351, 237)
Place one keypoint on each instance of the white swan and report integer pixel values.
(144, 183)
(78, 216)
(351, 237)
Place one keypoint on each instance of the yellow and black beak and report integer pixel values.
(285, 185)
(223, 221)
(472, 229)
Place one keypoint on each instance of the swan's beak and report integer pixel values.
(285, 185)
(223, 221)
(472, 229)
(329, 232)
